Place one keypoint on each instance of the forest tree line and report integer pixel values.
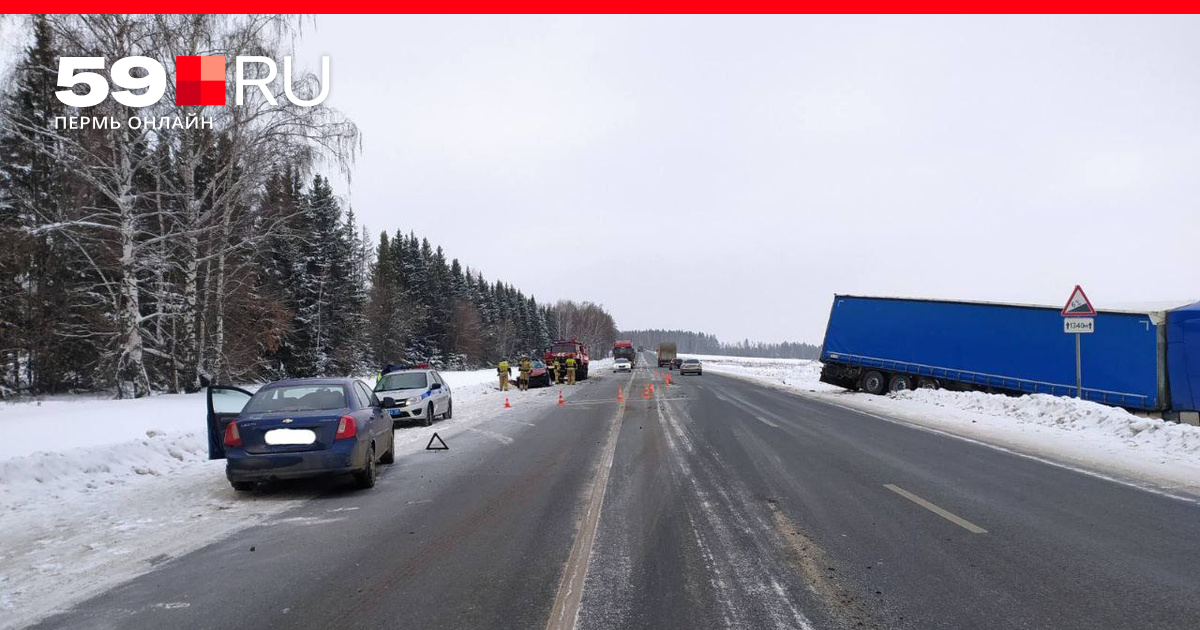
(691, 342)
(158, 259)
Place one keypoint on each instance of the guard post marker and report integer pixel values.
(506, 403)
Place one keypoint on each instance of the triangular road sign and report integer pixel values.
(1079, 305)
(441, 445)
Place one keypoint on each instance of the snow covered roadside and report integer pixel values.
(1088, 436)
(96, 491)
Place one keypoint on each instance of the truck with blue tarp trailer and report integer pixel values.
(1146, 361)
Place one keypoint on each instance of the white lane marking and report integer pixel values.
(528, 424)
(565, 611)
(957, 520)
(499, 437)
(752, 406)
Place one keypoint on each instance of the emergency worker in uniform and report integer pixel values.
(570, 370)
(524, 367)
(503, 370)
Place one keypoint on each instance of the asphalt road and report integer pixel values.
(716, 503)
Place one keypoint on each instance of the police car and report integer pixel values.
(418, 395)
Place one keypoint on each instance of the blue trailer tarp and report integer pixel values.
(1015, 347)
(1183, 357)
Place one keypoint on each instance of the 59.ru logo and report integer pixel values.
(198, 81)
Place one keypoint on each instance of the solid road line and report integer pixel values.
(570, 588)
(957, 520)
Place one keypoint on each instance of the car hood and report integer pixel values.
(401, 394)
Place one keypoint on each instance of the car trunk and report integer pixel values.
(289, 432)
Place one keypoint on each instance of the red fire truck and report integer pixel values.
(567, 348)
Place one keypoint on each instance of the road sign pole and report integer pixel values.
(1079, 369)
(1078, 314)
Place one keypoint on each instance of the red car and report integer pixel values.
(540, 376)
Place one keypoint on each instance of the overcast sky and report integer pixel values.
(731, 174)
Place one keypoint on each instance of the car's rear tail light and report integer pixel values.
(232, 437)
(347, 428)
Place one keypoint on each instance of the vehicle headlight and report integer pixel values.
(415, 400)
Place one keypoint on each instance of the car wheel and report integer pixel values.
(242, 486)
(449, 410)
(428, 421)
(365, 479)
(900, 383)
(389, 456)
(873, 383)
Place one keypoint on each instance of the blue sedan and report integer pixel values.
(299, 428)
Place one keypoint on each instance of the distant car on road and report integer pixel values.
(675, 363)
(420, 394)
(691, 366)
(622, 365)
(299, 428)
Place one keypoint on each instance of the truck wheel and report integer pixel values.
(873, 383)
(900, 383)
(928, 383)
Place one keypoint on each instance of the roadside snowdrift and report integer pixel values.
(1085, 435)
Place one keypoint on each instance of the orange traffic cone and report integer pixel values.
(668, 379)
(651, 388)
(620, 395)
(646, 392)
(561, 402)
(506, 405)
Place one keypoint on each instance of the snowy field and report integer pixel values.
(94, 491)
(1088, 436)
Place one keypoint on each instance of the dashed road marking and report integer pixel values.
(957, 520)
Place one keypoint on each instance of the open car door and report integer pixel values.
(224, 405)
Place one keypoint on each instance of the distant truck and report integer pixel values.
(1141, 360)
(570, 348)
(666, 353)
(624, 350)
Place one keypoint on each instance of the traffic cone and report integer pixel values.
(651, 388)
(506, 405)
(620, 395)
(646, 392)
(668, 379)
(561, 402)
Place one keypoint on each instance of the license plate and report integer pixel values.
(396, 413)
(276, 437)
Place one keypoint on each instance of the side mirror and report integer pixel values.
(388, 402)
(435, 386)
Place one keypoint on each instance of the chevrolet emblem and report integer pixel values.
(287, 420)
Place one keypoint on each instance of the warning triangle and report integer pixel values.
(442, 445)
(1079, 305)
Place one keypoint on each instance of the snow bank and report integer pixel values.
(1069, 414)
(1089, 436)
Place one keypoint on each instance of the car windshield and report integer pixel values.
(298, 398)
(538, 365)
(402, 380)
(622, 360)
(691, 360)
